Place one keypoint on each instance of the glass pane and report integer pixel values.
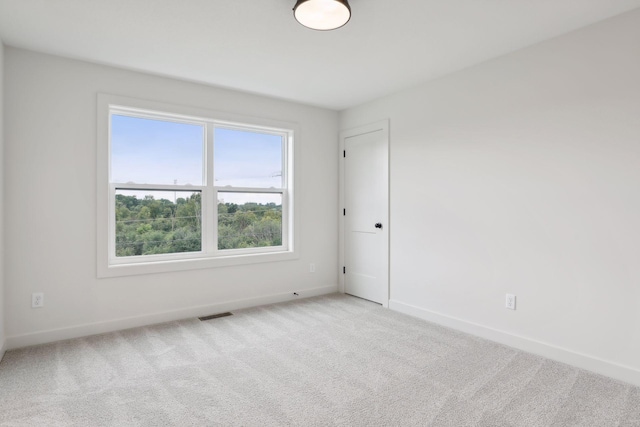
(247, 159)
(157, 222)
(249, 220)
(145, 151)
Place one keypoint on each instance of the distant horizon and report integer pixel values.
(172, 197)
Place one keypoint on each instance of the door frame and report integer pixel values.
(380, 125)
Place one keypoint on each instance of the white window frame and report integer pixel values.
(210, 256)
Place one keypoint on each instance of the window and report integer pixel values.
(250, 184)
(180, 191)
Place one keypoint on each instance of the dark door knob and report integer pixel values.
(378, 225)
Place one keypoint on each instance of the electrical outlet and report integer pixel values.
(312, 268)
(37, 300)
(510, 302)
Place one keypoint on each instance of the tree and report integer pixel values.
(148, 226)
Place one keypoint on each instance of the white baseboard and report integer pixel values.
(570, 357)
(51, 335)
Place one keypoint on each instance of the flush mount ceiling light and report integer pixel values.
(322, 15)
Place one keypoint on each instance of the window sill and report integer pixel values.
(164, 266)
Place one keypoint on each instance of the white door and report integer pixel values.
(366, 212)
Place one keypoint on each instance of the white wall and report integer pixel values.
(522, 175)
(2, 308)
(50, 205)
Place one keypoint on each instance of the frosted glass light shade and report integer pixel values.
(322, 15)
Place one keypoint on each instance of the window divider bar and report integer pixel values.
(158, 187)
(249, 190)
(210, 219)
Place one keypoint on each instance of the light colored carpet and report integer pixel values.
(333, 360)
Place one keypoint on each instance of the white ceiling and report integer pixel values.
(256, 45)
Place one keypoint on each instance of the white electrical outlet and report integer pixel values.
(312, 268)
(510, 302)
(37, 300)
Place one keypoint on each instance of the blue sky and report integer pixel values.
(247, 159)
(145, 151)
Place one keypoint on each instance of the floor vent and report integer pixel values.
(215, 316)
